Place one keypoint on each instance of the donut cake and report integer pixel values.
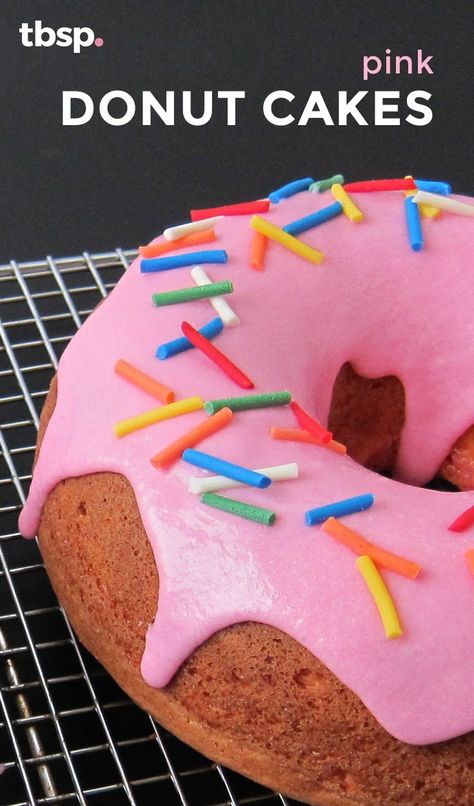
(312, 628)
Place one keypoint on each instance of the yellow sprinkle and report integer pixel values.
(184, 406)
(348, 207)
(381, 596)
(285, 239)
(426, 210)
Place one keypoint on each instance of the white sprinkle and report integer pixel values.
(211, 484)
(444, 203)
(173, 233)
(220, 305)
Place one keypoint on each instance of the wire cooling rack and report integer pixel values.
(67, 732)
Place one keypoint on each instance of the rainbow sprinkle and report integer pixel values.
(415, 234)
(153, 264)
(153, 416)
(192, 293)
(373, 185)
(243, 208)
(290, 189)
(349, 208)
(142, 381)
(217, 357)
(163, 247)
(228, 469)
(181, 344)
(443, 203)
(381, 597)
(357, 543)
(191, 227)
(284, 239)
(339, 508)
(433, 187)
(463, 521)
(258, 250)
(426, 210)
(249, 402)
(257, 514)
(212, 484)
(220, 305)
(326, 184)
(191, 438)
(313, 220)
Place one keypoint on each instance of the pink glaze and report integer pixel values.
(375, 303)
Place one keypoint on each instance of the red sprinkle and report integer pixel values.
(463, 521)
(380, 184)
(310, 424)
(245, 208)
(225, 364)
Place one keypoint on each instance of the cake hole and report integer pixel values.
(442, 485)
(368, 414)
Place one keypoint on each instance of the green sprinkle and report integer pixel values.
(195, 292)
(248, 402)
(257, 514)
(325, 184)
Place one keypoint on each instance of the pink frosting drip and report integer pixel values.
(375, 303)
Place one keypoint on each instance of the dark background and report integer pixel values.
(95, 187)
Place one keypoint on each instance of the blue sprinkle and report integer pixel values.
(180, 345)
(414, 224)
(290, 189)
(339, 508)
(188, 259)
(313, 220)
(227, 469)
(433, 187)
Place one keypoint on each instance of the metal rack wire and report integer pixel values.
(67, 732)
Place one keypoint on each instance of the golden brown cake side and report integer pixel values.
(250, 697)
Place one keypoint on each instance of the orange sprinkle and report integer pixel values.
(299, 435)
(192, 438)
(195, 238)
(144, 382)
(469, 555)
(258, 248)
(358, 544)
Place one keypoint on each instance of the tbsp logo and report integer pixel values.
(41, 36)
